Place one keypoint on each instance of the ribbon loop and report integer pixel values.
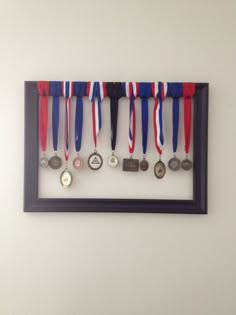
(43, 90)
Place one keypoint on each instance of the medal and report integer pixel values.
(55, 161)
(96, 91)
(159, 92)
(175, 90)
(145, 91)
(43, 90)
(115, 92)
(66, 175)
(79, 91)
(188, 92)
(131, 91)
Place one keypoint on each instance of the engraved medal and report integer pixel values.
(159, 169)
(66, 178)
(186, 164)
(113, 161)
(43, 161)
(174, 164)
(55, 162)
(130, 165)
(144, 165)
(95, 161)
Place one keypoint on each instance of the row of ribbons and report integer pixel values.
(96, 91)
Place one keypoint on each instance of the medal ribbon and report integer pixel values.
(188, 92)
(115, 92)
(43, 90)
(67, 93)
(175, 90)
(159, 91)
(96, 91)
(132, 91)
(145, 91)
(55, 92)
(79, 91)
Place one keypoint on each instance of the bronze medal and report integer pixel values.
(186, 164)
(130, 165)
(78, 163)
(95, 161)
(55, 162)
(174, 164)
(144, 165)
(159, 169)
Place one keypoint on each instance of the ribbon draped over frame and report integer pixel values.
(43, 90)
(115, 92)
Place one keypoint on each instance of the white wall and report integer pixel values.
(118, 263)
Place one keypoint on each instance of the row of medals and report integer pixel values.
(95, 162)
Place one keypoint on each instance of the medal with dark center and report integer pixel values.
(43, 90)
(79, 91)
(115, 92)
(175, 90)
(66, 176)
(159, 92)
(96, 92)
(145, 91)
(55, 161)
(131, 165)
(188, 93)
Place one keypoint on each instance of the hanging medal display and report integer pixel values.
(159, 92)
(96, 91)
(43, 90)
(66, 176)
(145, 91)
(55, 161)
(175, 90)
(115, 92)
(79, 92)
(188, 93)
(132, 91)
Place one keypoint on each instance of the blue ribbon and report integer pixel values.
(175, 90)
(55, 91)
(145, 91)
(79, 92)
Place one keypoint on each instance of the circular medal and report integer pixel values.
(113, 161)
(55, 162)
(78, 162)
(144, 165)
(186, 164)
(43, 162)
(66, 178)
(174, 164)
(159, 169)
(95, 161)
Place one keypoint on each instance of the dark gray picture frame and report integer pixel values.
(32, 203)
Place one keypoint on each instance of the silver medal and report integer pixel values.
(159, 169)
(174, 164)
(113, 161)
(66, 178)
(95, 161)
(78, 163)
(43, 161)
(55, 162)
(186, 164)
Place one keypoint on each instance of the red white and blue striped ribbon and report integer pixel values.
(159, 91)
(96, 91)
(132, 91)
(67, 93)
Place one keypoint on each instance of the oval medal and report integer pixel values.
(159, 169)
(144, 165)
(43, 162)
(174, 164)
(55, 162)
(186, 164)
(66, 178)
(95, 161)
(78, 162)
(113, 161)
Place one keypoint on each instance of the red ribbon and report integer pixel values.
(43, 90)
(188, 92)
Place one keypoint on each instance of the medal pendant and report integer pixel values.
(159, 169)
(43, 161)
(174, 164)
(113, 161)
(78, 163)
(130, 165)
(95, 161)
(66, 178)
(144, 165)
(55, 162)
(186, 164)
